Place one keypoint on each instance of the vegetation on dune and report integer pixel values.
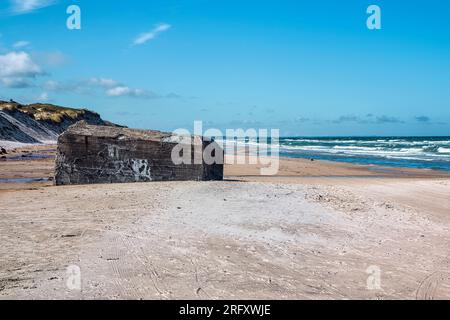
(41, 122)
(47, 112)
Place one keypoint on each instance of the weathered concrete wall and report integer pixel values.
(97, 154)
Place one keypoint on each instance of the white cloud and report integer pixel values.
(114, 88)
(122, 91)
(109, 87)
(118, 91)
(16, 83)
(17, 68)
(21, 44)
(18, 64)
(147, 36)
(78, 87)
(27, 6)
(104, 83)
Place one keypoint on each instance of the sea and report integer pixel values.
(410, 152)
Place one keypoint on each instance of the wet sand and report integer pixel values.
(315, 231)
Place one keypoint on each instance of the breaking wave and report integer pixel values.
(416, 152)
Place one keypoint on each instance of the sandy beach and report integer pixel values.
(317, 230)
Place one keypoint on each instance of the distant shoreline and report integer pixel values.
(33, 166)
(400, 152)
(367, 153)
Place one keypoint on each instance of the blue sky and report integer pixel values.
(305, 68)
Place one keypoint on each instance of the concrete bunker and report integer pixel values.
(91, 154)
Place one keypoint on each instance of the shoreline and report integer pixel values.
(32, 167)
(304, 168)
(37, 161)
(384, 170)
